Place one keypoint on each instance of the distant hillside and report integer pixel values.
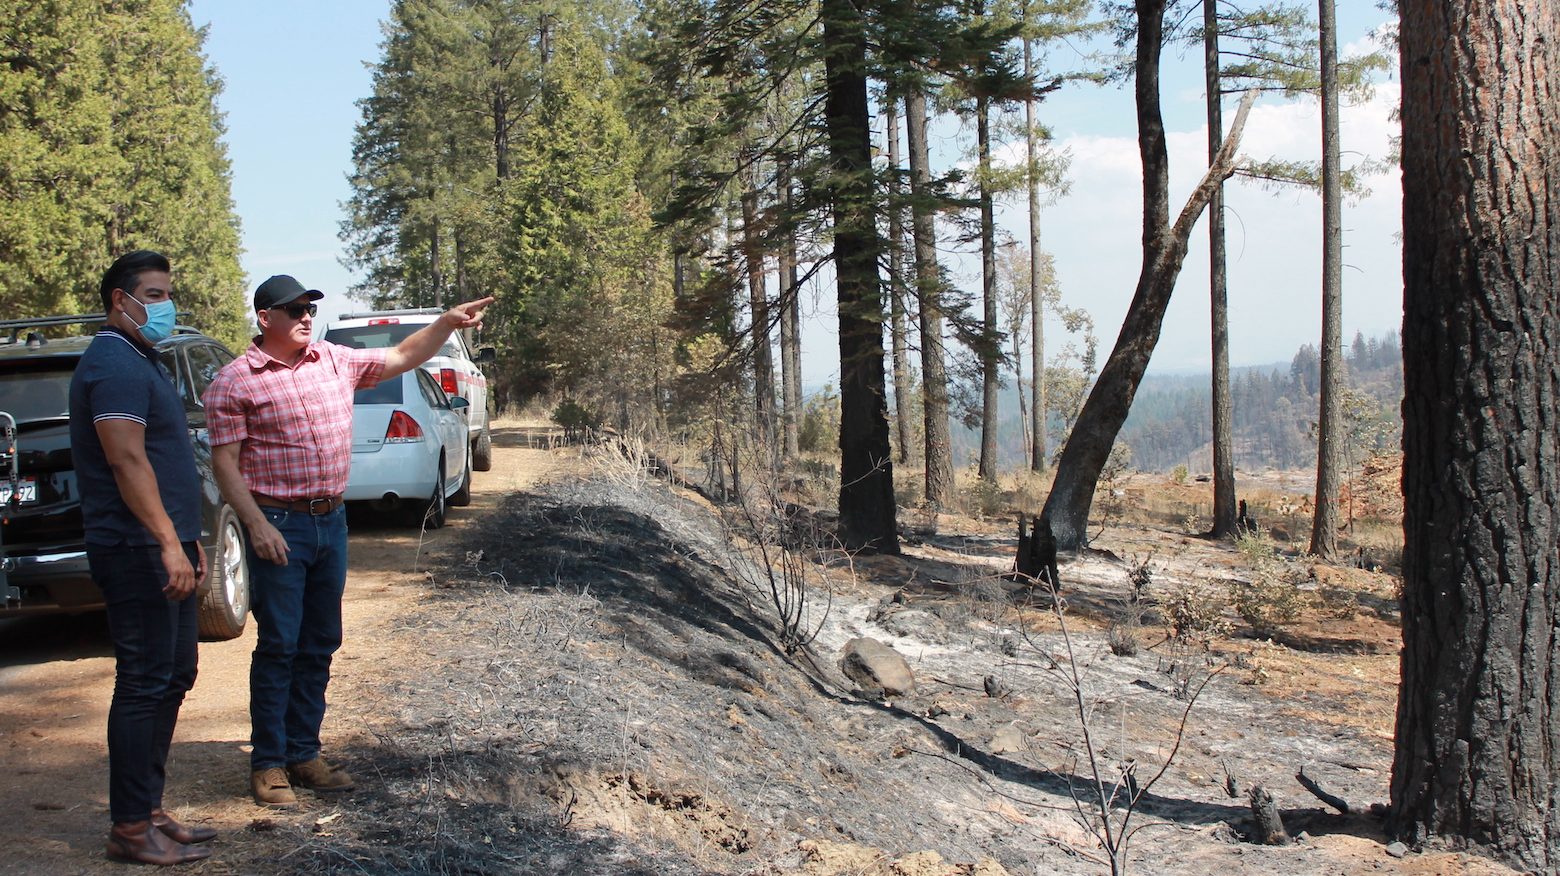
(1274, 410)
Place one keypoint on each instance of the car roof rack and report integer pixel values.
(15, 326)
(409, 311)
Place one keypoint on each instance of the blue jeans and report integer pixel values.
(297, 608)
(154, 666)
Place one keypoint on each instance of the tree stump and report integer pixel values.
(1036, 560)
(1244, 522)
(1270, 827)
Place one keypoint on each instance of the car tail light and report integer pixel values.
(385, 321)
(447, 380)
(402, 429)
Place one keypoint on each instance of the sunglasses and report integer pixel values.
(297, 310)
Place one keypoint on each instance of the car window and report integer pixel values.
(386, 393)
(375, 337)
(430, 390)
(169, 357)
(205, 360)
(36, 392)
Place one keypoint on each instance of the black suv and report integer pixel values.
(43, 560)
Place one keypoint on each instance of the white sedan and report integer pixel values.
(410, 451)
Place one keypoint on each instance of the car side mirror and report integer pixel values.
(486, 355)
(458, 402)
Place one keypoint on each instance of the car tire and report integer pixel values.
(482, 451)
(462, 496)
(430, 515)
(224, 607)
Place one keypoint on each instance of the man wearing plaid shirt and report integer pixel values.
(280, 422)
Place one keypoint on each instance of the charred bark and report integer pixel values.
(1477, 735)
(990, 350)
(867, 512)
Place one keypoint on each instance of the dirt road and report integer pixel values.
(57, 674)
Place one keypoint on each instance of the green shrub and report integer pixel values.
(1196, 614)
(1271, 599)
(574, 418)
(1179, 474)
(1268, 602)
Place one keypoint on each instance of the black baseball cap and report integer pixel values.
(282, 289)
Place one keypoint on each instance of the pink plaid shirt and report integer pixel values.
(295, 422)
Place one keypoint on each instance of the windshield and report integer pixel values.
(36, 393)
(374, 337)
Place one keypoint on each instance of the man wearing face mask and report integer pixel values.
(280, 421)
(140, 507)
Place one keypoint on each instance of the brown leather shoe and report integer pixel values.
(318, 775)
(181, 833)
(140, 842)
(271, 788)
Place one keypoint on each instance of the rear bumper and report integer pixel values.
(59, 582)
(49, 582)
(401, 471)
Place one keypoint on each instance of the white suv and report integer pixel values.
(454, 367)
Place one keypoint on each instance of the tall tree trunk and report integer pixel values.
(1477, 739)
(1218, 309)
(990, 351)
(934, 371)
(500, 104)
(1329, 432)
(1164, 249)
(903, 415)
(867, 512)
(462, 276)
(758, 307)
(1037, 452)
(790, 331)
(435, 264)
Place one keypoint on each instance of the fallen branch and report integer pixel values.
(1311, 785)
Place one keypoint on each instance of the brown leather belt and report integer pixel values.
(316, 507)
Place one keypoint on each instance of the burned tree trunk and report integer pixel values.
(1478, 747)
(867, 512)
(1164, 249)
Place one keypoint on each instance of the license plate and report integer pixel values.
(26, 491)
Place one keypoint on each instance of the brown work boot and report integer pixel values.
(271, 788)
(318, 775)
(140, 842)
(181, 833)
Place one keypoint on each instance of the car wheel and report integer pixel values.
(431, 515)
(482, 451)
(224, 607)
(462, 496)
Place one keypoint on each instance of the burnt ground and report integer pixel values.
(590, 683)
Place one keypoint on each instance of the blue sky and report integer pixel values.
(293, 69)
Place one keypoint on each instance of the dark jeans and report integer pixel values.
(298, 611)
(154, 650)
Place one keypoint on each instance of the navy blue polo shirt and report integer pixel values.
(119, 379)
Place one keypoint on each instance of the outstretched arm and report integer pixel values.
(420, 347)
